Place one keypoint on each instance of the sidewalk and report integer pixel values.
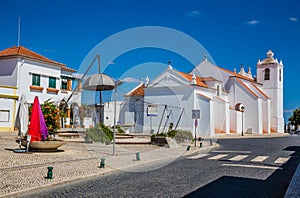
(235, 135)
(21, 171)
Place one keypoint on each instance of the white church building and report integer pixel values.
(229, 102)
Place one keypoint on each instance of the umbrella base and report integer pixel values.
(44, 145)
(19, 151)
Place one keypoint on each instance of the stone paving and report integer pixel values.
(22, 171)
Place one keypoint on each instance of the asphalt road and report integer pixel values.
(248, 167)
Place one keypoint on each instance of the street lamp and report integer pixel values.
(117, 83)
(242, 110)
(63, 107)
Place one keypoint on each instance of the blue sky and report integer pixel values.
(233, 32)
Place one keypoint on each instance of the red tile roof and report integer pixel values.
(26, 53)
(138, 91)
(206, 79)
(237, 75)
(199, 81)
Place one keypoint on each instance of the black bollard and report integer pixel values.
(188, 147)
(49, 173)
(102, 163)
(138, 157)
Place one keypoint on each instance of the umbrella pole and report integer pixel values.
(100, 108)
(20, 143)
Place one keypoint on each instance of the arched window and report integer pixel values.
(267, 74)
(279, 74)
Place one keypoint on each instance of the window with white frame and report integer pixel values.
(52, 82)
(36, 79)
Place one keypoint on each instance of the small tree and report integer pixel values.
(295, 118)
(52, 116)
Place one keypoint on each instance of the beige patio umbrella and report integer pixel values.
(22, 118)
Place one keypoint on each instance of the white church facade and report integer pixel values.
(229, 102)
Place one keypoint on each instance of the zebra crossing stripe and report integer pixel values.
(238, 158)
(281, 160)
(218, 157)
(260, 158)
(253, 166)
(198, 156)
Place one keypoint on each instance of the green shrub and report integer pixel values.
(119, 129)
(52, 115)
(183, 135)
(171, 133)
(99, 133)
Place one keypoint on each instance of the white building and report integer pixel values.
(109, 112)
(229, 102)
(23, 71)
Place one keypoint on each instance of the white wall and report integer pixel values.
(8, 107)
(132, 114)
(251, 108)
(8, 72)
(205, 123)
(109, 108)
(176, 98)
(220, 112)
(236, 121)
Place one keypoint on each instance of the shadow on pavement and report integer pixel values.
(274, 186)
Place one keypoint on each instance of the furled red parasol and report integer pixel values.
(37, 128)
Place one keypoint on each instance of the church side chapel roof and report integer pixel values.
(207, 79)
(199, 81)
(241, 74)
(21, 51)
(137, 91)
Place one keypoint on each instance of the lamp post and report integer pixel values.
(242, 110)
(117, 83)
(63, 107)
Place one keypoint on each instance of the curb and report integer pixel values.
(238, 136)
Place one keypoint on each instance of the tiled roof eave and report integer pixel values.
(31, 58)
(68, 69)
(245, 78)
(62, 66)
(204, 86)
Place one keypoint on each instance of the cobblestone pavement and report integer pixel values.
(22, 171)
(218, 173)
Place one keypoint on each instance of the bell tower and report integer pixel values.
(270, 75)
